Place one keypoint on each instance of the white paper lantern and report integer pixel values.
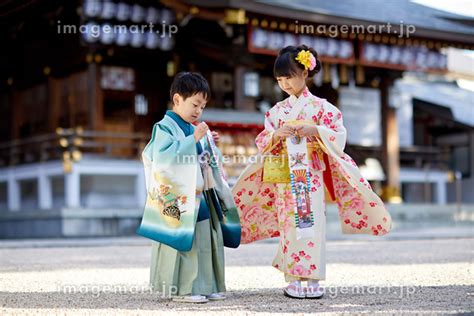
(166, 43)
(321, 46)
(107, 35)
(259, 38)
(383, 53)
(92, 8)
(166, 16)
(275, 41)
(109, 10)
(333, 48)
(122, 37)
(408, 56)
(395, 55)
(91, 32)
(137, 39)
(345, 49)
(138, 13)
(152, 15)
(123, 11)
(289, 39)
(152, 40)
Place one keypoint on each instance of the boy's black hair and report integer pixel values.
(287, 66)
(187, 84)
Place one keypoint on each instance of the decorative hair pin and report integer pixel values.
(307, 59)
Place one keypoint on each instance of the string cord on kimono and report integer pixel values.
(300, 186)
(213, 147)
(300, 183)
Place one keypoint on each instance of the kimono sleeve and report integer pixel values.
(172, 205)
(264, 140)
(164, 149)
(331, 128)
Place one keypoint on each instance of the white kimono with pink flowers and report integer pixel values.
(267, 209)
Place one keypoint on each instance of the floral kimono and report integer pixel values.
(272, 209)
(189, 213)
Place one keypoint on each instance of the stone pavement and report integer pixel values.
(109, 276)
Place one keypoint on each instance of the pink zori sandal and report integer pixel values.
(294, 291)
(314, 292)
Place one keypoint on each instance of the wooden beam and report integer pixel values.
(390, 145)
(54, 100)
(16, 115)
(96, 102)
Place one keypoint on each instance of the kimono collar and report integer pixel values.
(185, 126)
(304, 94)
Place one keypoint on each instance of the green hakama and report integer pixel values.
(199, 271)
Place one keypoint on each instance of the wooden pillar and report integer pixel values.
(242, 102)
(95, 99)
(54, 100)
(238, 87)
(390, 145)
(16, 115)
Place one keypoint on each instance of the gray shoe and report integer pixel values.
(314, 292)
(216, 297)
(198, 299)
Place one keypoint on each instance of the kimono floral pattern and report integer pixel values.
(299, 258)
(267, 209)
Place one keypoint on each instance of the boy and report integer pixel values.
(190, 211)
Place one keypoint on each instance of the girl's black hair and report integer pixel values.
(287, 66)
(187, 84)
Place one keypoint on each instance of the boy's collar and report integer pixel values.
(175, 115)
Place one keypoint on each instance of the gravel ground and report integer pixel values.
(363, 277)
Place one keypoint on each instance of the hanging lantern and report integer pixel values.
(76, 155)
(46, 71)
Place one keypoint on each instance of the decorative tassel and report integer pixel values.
(317, 164)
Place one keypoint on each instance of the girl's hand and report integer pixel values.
(283, 132)
(216, 137)
(309, 131)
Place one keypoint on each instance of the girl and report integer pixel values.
(283, 194)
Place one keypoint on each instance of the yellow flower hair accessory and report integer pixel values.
(307, 59)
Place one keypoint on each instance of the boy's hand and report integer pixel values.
(283, 132)
(200, 131)
(216, 137)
